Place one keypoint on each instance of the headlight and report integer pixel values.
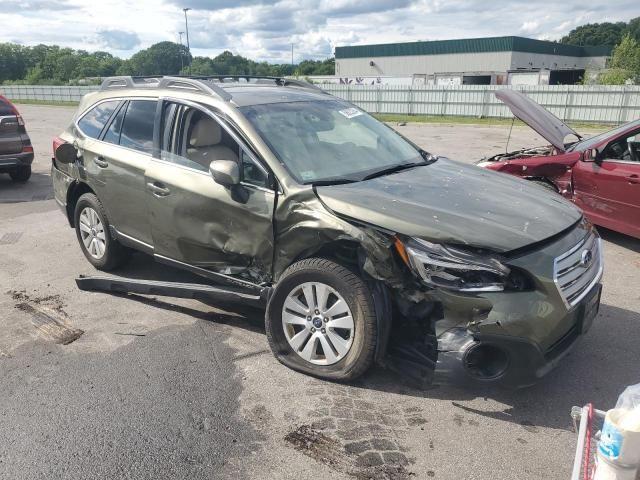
(448, 267)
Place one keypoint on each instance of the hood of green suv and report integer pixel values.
(450, 202)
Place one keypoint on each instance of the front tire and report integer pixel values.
(21, 174)
(92, 230)
(321, 321)
(548, 185)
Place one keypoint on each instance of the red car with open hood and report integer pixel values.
(600, 174)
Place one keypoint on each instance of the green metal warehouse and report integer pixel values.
(474, 61)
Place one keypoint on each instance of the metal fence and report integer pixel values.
(601, 104)
(610, 104)
(46, 93)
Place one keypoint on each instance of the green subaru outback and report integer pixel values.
(361, 246)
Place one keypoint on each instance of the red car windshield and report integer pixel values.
(588, 143)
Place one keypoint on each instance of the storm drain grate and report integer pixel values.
(10, 238)
(49, 326)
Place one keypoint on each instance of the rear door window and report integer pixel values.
(137, 128)
(92, 123)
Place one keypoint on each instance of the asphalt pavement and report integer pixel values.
(102, 386)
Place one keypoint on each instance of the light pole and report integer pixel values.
(181, 52)
(186, 27)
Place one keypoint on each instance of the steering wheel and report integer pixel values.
(618, 150)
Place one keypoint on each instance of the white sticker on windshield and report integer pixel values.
(350, 112)
(308, 175)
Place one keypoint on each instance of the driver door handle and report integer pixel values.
(158, 189)
(100, 161)
(634, 179)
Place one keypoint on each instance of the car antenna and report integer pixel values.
(506, 149)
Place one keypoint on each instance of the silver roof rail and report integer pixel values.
(263, 80)
(128, 82)
(303, 84)
(204, 84)
(196, 85)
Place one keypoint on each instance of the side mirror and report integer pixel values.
(225, 172)
(66, 153)
(593, 155)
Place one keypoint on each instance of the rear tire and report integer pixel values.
(341, 336)
(92, 230)
(21, 174)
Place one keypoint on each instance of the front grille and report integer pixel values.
(578, 270)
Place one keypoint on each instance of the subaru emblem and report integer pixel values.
(586, 258)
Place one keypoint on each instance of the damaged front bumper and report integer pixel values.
(512, 338)
(465, 357)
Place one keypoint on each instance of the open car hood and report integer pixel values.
(552, 129)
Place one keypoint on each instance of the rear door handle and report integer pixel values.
(634, 179)
(100, 161)
(158, 189)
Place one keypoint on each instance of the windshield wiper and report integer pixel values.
(393, 169)
(332, 181)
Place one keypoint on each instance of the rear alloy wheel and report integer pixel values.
(321, 320)
(21, 174)
(92, 230)
(92, 233)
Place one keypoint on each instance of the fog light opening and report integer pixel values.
(486, 362)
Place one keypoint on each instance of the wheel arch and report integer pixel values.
(75, 191)
(546, 180)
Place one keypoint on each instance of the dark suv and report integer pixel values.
(16, 152)
(362, 246)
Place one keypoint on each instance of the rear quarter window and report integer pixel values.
(137, 129)
(92, 123)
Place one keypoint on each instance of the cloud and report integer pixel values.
(530, 27)
(34, 6)
(118, 39)
(265, 29)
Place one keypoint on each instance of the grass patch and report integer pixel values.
(53, 103)
(399, 118)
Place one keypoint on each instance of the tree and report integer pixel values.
(317, 67)
(633, 28)
(625, 63)
(614, 76)
(56, 65)
(596, 34)
(162, 58)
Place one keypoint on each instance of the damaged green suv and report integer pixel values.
(361, 246)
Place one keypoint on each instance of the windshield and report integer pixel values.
(329, 140)
(591, 142)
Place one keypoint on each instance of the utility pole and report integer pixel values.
(186, 27)
(292, 59)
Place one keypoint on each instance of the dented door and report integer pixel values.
(196, 220)
(199, 222)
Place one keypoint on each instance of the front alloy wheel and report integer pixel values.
(318, 323)
(321, 320)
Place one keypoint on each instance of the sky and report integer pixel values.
(265, 29)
